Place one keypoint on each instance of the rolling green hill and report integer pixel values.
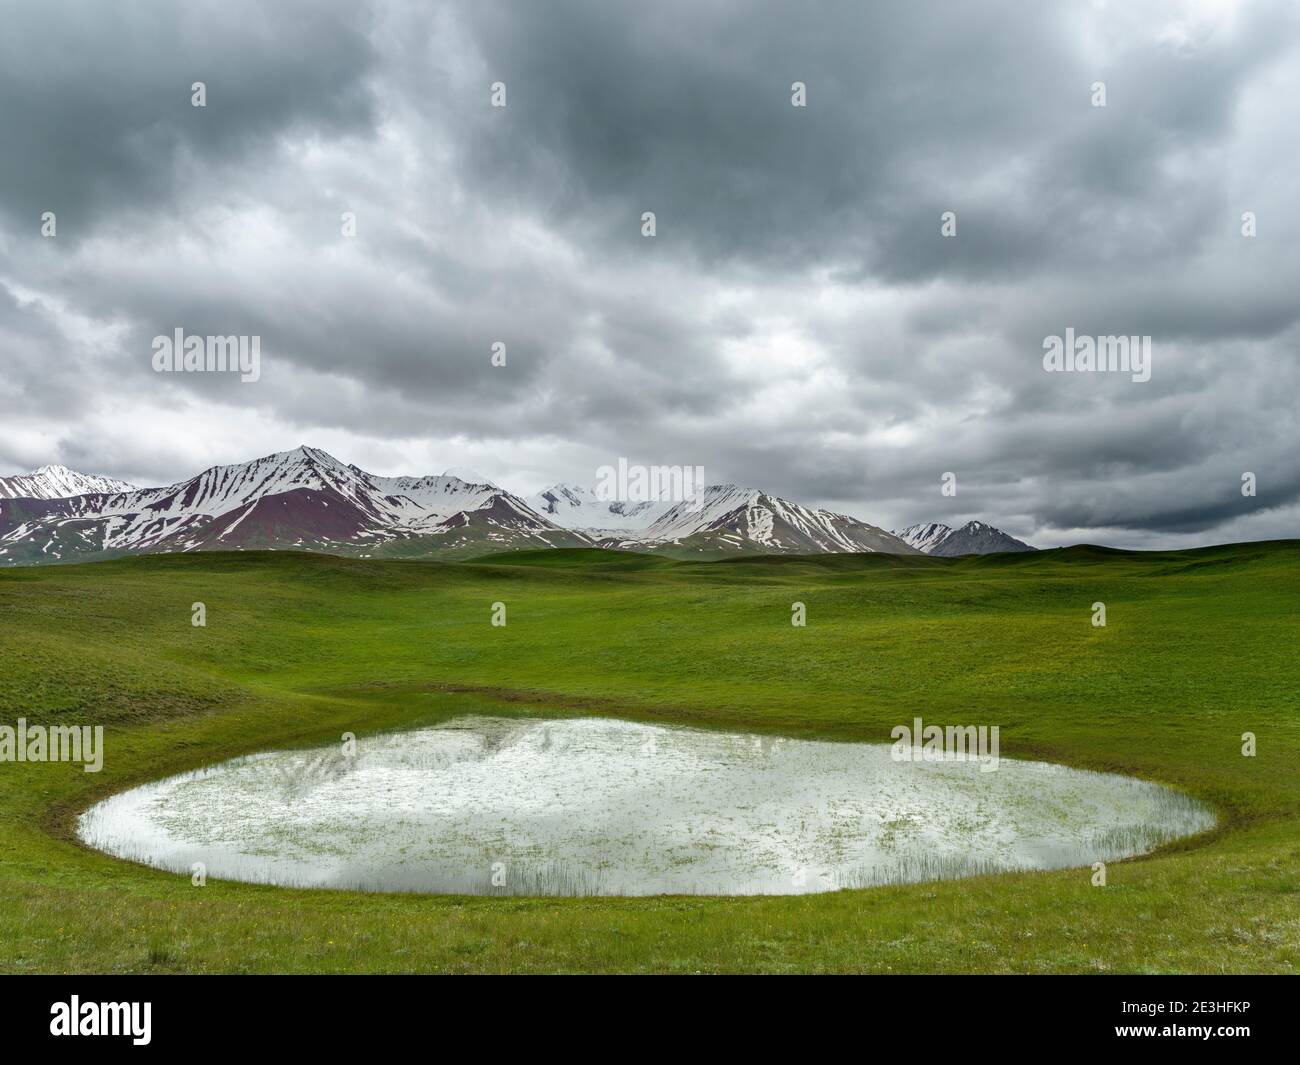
(1200, 647)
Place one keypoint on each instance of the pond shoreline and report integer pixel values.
(770, 825)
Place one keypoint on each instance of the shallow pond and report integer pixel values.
(586, 806)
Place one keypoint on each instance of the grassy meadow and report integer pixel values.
(1199, 647)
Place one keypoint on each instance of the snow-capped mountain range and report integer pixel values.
(726, 517)
(973, 538)
(720, 518)
(302, 499)
(306, 499)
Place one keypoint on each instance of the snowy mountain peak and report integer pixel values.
(973, 538)
(727, 517)
(564, 495)
(575, 507)
(58, 482)
(925, 535)
(307, 454)
(469, 476)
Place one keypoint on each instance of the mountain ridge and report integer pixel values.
(306, 499)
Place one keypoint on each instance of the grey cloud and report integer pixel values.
(798, 324)
(98, 116)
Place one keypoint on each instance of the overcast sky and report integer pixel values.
(798, 323)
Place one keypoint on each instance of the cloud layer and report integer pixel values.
(798, 323)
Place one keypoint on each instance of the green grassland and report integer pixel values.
(1200, 647)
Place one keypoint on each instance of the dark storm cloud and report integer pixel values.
(913, 109)
(686, 111)
(799, 323)
(97, 115)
